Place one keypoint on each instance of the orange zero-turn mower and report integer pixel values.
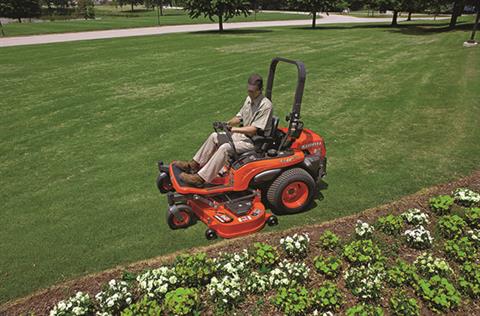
(282, 172)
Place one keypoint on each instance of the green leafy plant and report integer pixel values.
(365, 281)
(362, 252)
(429, 266)
(194, 270)
(329, 241)
(327, 298)
(439, 293)
(329, 266)
(144, 307)
(441, 204)
(365, 310)
(390, 224)
(472, 216)
(401, 274)
(451, 226)
(470, 279)
(263, 255)
(181, 301)
(292, 301)
(402, 305)
(461, 249)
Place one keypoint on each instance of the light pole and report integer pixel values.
(471, 42)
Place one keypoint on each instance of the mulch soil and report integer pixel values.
(41, 302)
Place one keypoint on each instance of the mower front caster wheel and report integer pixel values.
(184, 218)
(272, 221)
(210, 234)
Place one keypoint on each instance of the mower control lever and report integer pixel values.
(222, 126)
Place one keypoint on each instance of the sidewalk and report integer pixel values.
(80, 36)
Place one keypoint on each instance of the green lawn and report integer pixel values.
(84, 123)
(108, 17)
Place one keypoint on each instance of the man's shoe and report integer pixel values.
(192, 179)
(187, 166)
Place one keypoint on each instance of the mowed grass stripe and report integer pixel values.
(83, 128)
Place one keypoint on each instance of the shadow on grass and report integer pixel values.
(408, 29)
(234, 32)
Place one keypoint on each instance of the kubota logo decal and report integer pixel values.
(310, 145)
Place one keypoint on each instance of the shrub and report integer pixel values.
(288, 274)
(415, 217)
(326, 298)
(402, 305)
(439, 294)
(258, 283)
(441, 204)
(365, 281)
(156, 283)
(363, 230)
(451, 226)
(295, 246)
(144, 307)
(470, 280)
(418, 238)
(401, 274)
(329, 241)
(362, 252)
(390, 224)
(227, 291)
(330, 266)
(365, 310)
(429, 266)
(233, 263)
(181, 301)
(472, 216)
(461, 249)
(80, 304)
(264, 255)
(292, 301)
(466, 197)
(194, 270)
(114, 297)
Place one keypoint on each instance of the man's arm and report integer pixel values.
(247, 130)
(235, 121)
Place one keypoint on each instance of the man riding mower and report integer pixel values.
(240, 169)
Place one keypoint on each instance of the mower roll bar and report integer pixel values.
(302, 74)
(295, 125)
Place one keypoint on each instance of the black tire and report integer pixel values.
(210, 234)
(272, 221)
(290, 178)
(163, 183)
(187, 215)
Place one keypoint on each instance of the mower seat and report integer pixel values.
(263, 141)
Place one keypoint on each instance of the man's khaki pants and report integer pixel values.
(213, 154)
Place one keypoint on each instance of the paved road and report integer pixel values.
(80, 36)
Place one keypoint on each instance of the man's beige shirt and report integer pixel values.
(257, 113)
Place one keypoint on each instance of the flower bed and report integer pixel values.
(326, 273)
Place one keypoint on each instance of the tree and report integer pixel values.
(129, 2)
(18, 9)
(86, 8)
(313, 6)
(222, 9)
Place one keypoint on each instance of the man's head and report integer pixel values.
(255, 85)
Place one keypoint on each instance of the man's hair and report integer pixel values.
(256, 80)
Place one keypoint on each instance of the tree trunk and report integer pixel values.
(132, 6)
(161, 8)
(409, 16)
(314, 20)
(1, 28)
(456, 12)
(394, 19)
(19, 20)
(220, 23)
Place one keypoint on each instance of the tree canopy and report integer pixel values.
(221, 9)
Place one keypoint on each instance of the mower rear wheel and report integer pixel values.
(292, 192)
(187, 218)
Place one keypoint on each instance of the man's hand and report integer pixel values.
(235, 121)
